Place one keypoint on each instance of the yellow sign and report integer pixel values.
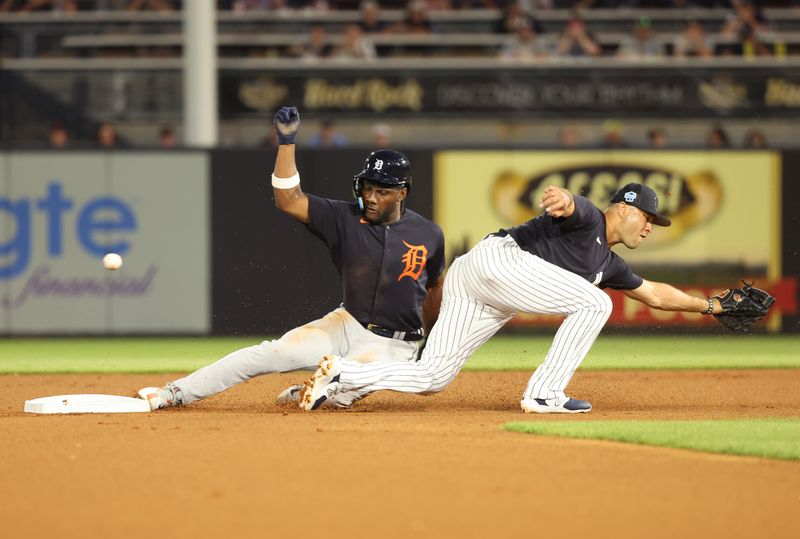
(724, 206)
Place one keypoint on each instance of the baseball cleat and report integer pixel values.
(290, 395)
(322, 386)
(160, 397)
(551, 406)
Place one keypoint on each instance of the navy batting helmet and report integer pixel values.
(389, 168)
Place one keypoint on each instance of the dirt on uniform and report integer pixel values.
(237, 465)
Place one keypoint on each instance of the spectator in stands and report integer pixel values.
(657, 138)
(693, 42)
(746, 26)
(577, 41)
(525, 43)
(717, 138)
(746, 19)
(514, 12)
(381, 135)
(753, 46)
(107, 136)
(371, 22)
(569, 137)
(415, 20)
(315, 47)
(354, 45)
(166, 138)
(59, 138)
(755, 139)
(613, 135)
(643, 44)
(327, 137)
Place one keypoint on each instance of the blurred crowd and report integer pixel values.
(611, 135)
(106, 137)
(657, 138)
(89, 5)
(744, 32)
(324, 5)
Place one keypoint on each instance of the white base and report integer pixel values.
(86, 404)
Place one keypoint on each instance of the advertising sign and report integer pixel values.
(535, 90)
(60, 213)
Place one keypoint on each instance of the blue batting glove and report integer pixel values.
(287, 122)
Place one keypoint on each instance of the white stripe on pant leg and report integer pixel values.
(472, 339)
(462, 327)
(574, 339)
(513, 279)
(562, 348)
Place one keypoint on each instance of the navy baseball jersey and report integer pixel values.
(384, 269)
(578, 244)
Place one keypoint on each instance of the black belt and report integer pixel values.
(415, 335)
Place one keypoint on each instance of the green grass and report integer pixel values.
(115, 355)
(769, 438)
(645, 352)
(156, 355)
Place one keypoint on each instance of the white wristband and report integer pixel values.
(286, 183)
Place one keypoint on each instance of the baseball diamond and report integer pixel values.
(428, 269)
(238, 465)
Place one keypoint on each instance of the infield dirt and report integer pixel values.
(237, 465)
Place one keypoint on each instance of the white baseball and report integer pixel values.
(112, 261)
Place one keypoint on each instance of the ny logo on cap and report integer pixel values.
(378, 164)
(630, 196)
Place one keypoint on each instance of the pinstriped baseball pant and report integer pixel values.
(483, 290)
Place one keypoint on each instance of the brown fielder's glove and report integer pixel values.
(742, 307)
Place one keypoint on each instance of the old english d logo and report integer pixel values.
(414, 259)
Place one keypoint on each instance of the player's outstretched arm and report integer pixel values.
(289, 197)
(668, 298)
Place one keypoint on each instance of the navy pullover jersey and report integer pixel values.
(578, 244)
(385, 269)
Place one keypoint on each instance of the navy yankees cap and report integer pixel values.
(642, 197)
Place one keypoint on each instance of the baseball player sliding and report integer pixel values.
(556, 263)
(390, 260)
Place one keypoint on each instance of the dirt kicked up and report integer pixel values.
(237, 465)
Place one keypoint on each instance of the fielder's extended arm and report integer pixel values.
(668, 298)
(736, 308)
